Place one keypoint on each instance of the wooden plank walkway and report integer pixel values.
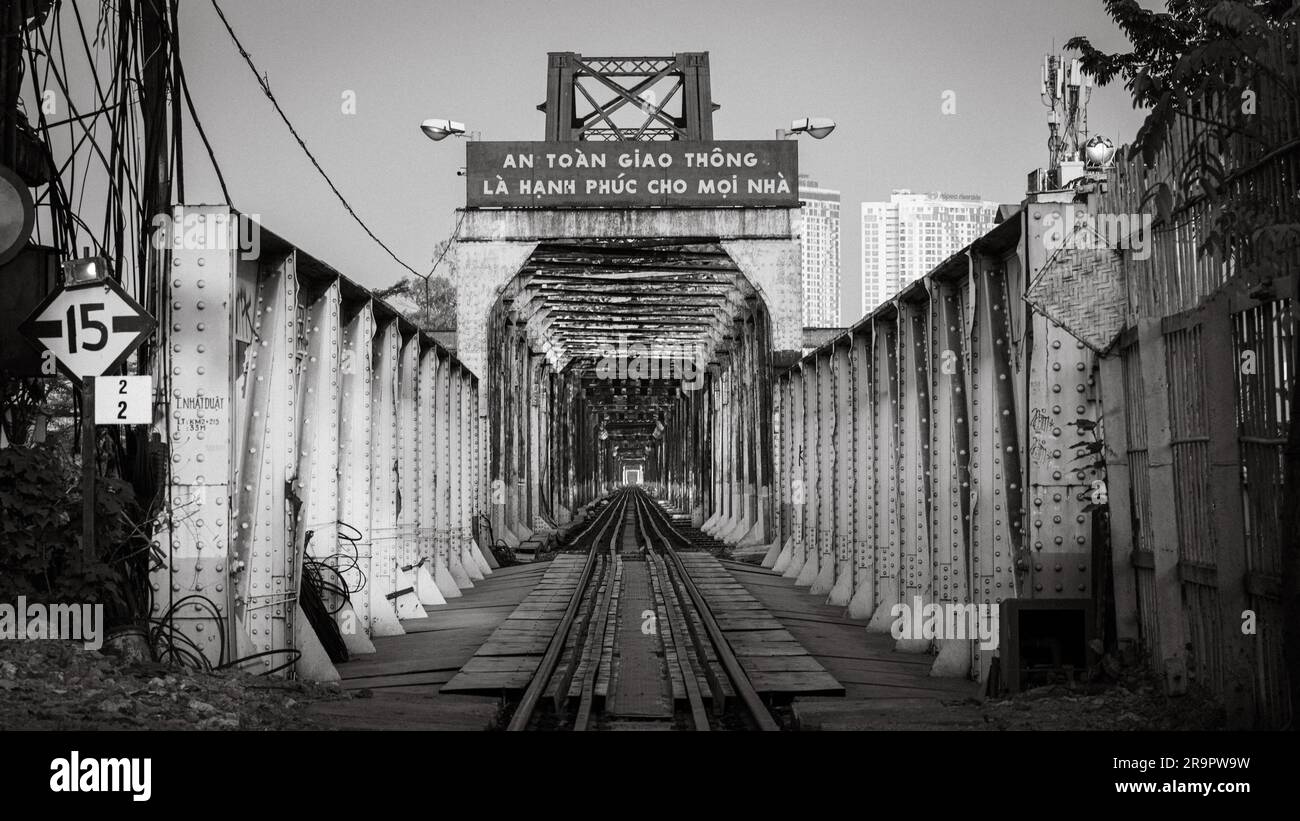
(404, 675)
(638, 689)
(509, 658)
(883, 689)
(771, 656)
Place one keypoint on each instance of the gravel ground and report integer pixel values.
(48, 685)
(1134, 703)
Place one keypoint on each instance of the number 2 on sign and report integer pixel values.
(124, 400)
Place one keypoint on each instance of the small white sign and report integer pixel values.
(124, 400)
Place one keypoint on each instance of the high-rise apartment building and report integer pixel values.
(903, 239)
(821, 254)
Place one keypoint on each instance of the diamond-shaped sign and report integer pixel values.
(90, 328)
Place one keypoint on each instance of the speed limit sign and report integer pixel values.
(90, 328)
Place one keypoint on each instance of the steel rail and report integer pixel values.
(546, 668)
(677, 632)
(744, 688)
(595, 641)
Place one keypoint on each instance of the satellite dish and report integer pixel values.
(17, 214)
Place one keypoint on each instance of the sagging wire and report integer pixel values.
(122, 226)
(325, 574)
(336, 565)
(172, 646)
(114, 170)
(497, 546)
(266, 89)
(326, 592)
(163, 636)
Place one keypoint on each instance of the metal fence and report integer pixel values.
(1205, 370)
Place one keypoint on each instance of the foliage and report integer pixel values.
(24, 399)
(1206, 61)
(434, 301)
(40, 531)
(1174, 50)
(430, 301)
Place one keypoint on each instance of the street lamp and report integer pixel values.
(819, 128)
(438, 129)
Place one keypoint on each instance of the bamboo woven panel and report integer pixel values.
(1083, 291)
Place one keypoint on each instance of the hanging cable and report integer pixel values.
(198, 126)
(266, 89)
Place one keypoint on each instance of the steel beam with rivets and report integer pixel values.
(950, 462)
(356, 432)
(196, 377)
(819, 573)
(383, 573)
(267, 592)
(842, 442)
(914, 456)
(995, 454)
(886, 405)
(865, 472)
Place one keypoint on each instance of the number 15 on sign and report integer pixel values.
(123, 400)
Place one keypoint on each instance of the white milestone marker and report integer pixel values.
(124, 400)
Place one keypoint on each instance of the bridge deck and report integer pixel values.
(787, 640)
(883, 689)
(510, 656)
(775, 661)
(406, 673)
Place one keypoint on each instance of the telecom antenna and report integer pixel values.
(1064, 88)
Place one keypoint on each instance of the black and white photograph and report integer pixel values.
(391, 384)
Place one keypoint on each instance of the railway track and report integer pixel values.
(637, 647)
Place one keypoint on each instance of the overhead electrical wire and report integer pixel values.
(266, 89)
(336, 577)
